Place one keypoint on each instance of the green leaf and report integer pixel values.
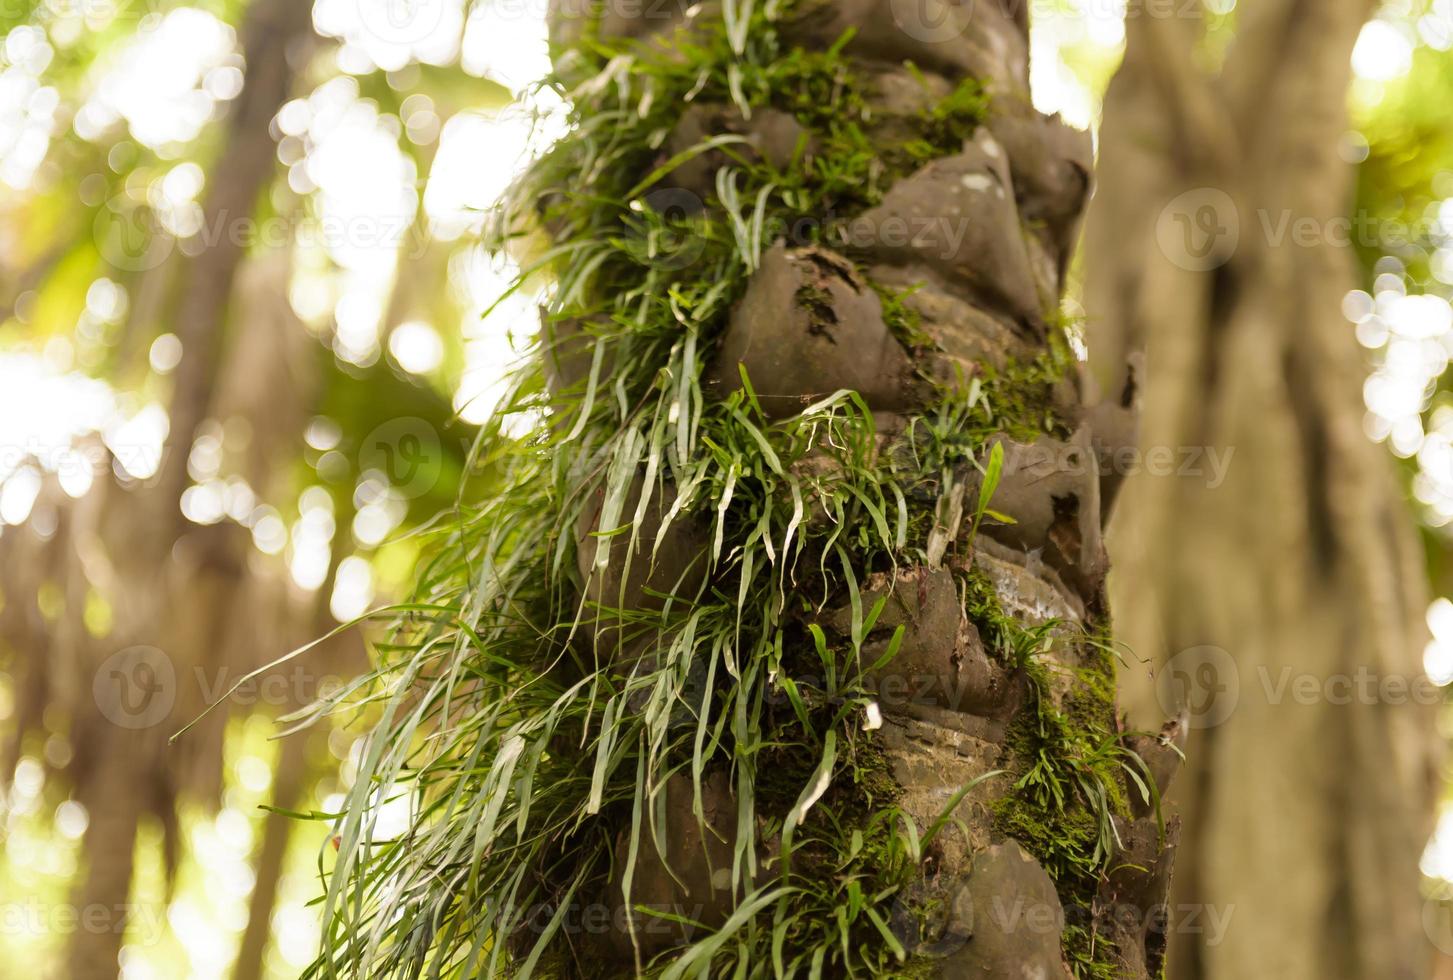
(990, 483)
(816, 786)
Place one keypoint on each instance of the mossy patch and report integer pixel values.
(544, 773)
(1091, 957)
(1061, 824)
(1022, 392)
(1066, 760)
(904, 322)
(818, 304)
(946, 125)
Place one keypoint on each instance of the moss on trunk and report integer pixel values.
(819, 684)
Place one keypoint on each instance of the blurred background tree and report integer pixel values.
(1217, 262)
(243, 357)
(242, 352)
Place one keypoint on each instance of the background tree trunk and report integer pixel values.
(109, 846)
(1305, 813)
(180, 586)
(290, 782)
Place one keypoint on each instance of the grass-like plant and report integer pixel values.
(534, 730)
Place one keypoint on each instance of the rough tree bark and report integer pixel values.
(1305, 814)
(995, 219)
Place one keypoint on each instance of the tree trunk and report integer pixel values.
(274, 39)
(787, 653)
(100, 900)
(293, 774)
(290, 782)
(986, 306)
(1261, 538)
(179, 585)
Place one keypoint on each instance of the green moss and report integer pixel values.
(1067, 762)
(904, 322)
(869, 786)
(820, 88)
(1091, 957)
(1090, 704)
(1067, 787)
(822, 91)
(1022, 393)
(851, 166)
(850, 858)
(920, 968)
(981, 602)
(949, 122)
(1060, 841)
(1063, 828)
